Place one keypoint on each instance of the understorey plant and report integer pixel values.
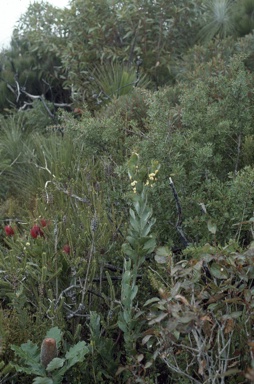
(139, 245)
(199, 326)
(44, 363)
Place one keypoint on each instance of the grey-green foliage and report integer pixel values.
(104, 356)
(29, 360)
(197, 132)
(30, 158)
(139, 245)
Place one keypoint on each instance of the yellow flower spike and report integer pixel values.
(134, 183)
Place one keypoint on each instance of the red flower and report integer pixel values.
(67, 248)
(36, 231)
(9, 231)
(44, 222)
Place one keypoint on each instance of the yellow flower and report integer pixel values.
(134, 183)
(151, 176)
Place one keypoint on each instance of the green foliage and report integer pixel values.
(202, 129)
(139, 246)
(152, 30)
(244, 17)
(29, 357)
(163, 178)
(204, 300)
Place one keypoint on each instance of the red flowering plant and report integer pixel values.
(9, 231)
(36, 231)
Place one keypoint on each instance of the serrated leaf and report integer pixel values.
(76, 353)
(55, 333)
(56, 363)
(28, 349)
(32, 370)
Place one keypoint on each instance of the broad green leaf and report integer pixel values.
(122, 326)
(146, 339)
(56, 334)
(218, 271)
(127, 317)
(128, 250)
(28, 350)
(76, 353)
(149, 245)
(132, 213)
(148, 364)
(32, 370)
(212, 227)
(163, 251)
(147, 229)
(134, 292)
(153, 300)
(56, 363)
(135, 224)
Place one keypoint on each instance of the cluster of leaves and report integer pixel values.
(204, 313)
(170, 294)
(58, 53)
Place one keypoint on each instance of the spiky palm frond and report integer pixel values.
(219, 19)
(115, 79)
